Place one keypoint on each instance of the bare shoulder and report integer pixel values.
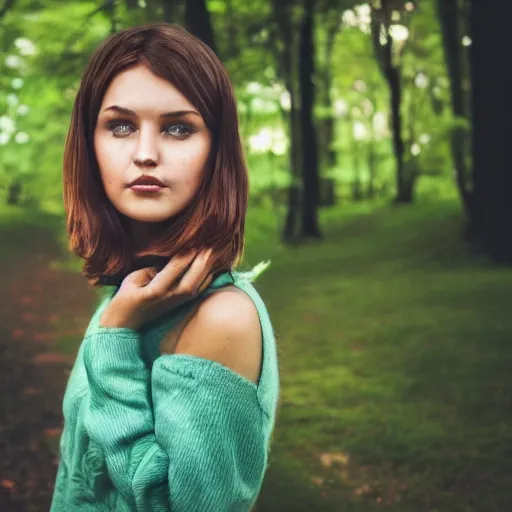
(226, 328)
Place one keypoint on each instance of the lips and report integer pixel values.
(147, 180)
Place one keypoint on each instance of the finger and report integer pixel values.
(142, 276)
(205, 284)
(171, 274)
(192, 281)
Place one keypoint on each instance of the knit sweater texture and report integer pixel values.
(145, 431)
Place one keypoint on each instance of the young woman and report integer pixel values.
(171, 403)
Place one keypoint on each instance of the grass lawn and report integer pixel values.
(395, 356)
(394, 346)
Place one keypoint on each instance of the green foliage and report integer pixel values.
(63, 38)
(66, 33)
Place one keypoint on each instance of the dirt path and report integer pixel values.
(33, 372)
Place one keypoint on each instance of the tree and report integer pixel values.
(329, 16)
(329, 25)
(449, 15)
(285, 53)
(491, 214)
(310, 191)
(381, 21)
(198, 21)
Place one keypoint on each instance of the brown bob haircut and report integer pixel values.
(215, 217)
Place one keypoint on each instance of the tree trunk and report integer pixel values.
(383, 54)
(448, 14)
(491, 215)
(407, 191)
(285, 60)
(169, 10)
(328, 154)
(326, 125)
(327, 192)
(372, 152)
(402, 195)
(198, 22)
(372, 168)
(291, 224)
(357, 186)
(14, 192)
(310, 192)
(110, 7)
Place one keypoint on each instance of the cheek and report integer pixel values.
(101, 153)
(192, 154)
(192, 169)
(110, 160)
(194, 159)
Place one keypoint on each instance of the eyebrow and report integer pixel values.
(166, 115)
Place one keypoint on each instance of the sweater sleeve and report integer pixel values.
(185, 436)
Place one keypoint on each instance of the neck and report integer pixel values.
(143, 233)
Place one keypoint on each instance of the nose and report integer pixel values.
(144, 162)
(146, 151)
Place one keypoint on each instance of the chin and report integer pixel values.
(152, 218)
(149, 215)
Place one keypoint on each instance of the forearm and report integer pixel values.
(119, 416)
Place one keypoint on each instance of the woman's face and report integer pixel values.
(145, 126)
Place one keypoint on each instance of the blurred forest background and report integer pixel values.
(375, 138)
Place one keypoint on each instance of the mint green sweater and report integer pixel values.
(145, 431)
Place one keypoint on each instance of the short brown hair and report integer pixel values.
(216, 216)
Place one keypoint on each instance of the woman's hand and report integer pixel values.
(146, 294)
